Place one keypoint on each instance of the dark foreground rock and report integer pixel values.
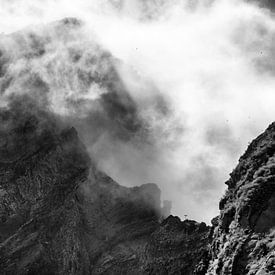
(60, 215)
(41, 168)
(244, 238)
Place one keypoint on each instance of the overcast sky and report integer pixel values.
(212, 61)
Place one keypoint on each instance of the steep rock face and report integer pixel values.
(60, 215)
(244, 234)
(178, 247)
(126, 236)
(41, 167)
(117, 223)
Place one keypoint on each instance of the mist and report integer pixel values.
(178, 88)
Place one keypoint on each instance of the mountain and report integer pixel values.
(41, 168)
(60, 215)
(244, 234)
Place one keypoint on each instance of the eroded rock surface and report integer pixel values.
(41, 168)
(60, 215)
(244, 240)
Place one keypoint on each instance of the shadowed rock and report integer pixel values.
(243, 241)
(60, 215)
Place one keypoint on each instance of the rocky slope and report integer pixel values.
(41, 168)
(126, 235)
(244, 237)
(60, 215)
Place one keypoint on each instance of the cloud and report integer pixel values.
(193, 85)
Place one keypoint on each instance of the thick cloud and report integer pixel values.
(71, 76)
(161, 91)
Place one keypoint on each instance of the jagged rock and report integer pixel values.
(243, 241)
(136, 242)
(60, 215)
(41, 167)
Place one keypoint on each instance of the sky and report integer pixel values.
(206, 65)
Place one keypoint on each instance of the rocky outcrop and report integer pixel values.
(41, 167)
(269, 4)
(243, 241)
(60, 215)
(178, 247)
(127, 237)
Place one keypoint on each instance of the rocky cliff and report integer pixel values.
(244, 234)
(42, 165)
(60, 215)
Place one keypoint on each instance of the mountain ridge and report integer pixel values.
(59, 214)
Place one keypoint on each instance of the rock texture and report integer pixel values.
(41, 167)
(269, 4)
(126, 235)
(243, 241)
(60, 215)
